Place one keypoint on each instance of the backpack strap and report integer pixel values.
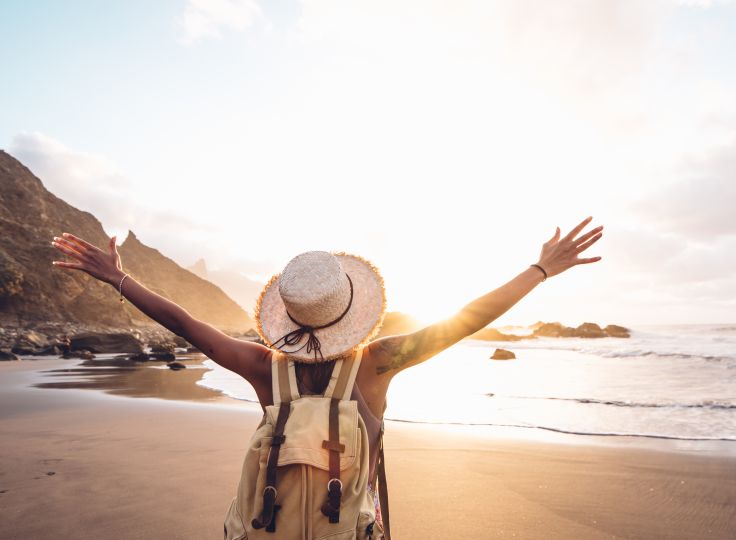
(383, 489)
(343, 376)
(340, 388)
(283, 394)
(283, 379)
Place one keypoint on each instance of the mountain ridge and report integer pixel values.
(33, 291)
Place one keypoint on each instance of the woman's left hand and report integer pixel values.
(559, 255)
(105, 266)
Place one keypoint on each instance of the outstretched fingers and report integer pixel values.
(77, 266)
(76, 240)
(587, 235)
(68, 248)
(585, 245)
(573, 233)
(587, 260)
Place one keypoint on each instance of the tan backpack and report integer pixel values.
(305, 473)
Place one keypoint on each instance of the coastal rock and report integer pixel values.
(162, 356)
(176, 365)
(84, 354)
(614, 330)
(50, 350)
(23, 350)
(163, 347)
(31, 340)
(7, 355)
(589, 330)
(491, 334)
(553, 329)
(139, 357)
(103, 342)
(63, 343)
(502, 354)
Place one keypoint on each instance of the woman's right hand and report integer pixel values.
(102, 265)
(559, 255)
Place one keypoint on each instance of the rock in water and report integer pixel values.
(503, 354)
(614, 330)
(176, 365)
(589, 330)
(102, 342)
(163, 347)
(553, 329)
(491, 334)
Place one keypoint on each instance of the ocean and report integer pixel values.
(665, 381)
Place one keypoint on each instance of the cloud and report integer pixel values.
(93, 183)
(203, 19)
(700, 204)
(588, 47)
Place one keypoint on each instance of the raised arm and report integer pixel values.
(243, 357)
(392, 354)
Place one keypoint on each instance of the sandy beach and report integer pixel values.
(81, 464)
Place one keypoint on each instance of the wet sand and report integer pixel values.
(80, 463)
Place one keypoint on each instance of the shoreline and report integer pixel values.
(193, 394)
(89, 464)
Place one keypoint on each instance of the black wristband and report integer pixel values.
(542, 269)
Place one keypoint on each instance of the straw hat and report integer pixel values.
(322, 306)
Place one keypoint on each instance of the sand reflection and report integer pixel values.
(120, 376)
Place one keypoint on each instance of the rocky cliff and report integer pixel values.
(32, 291)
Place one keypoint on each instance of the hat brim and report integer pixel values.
(358, 327)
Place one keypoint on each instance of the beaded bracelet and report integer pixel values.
(120, 288)
(542, 269)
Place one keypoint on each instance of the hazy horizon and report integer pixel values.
(442, 142)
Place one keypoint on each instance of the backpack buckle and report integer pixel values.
(267, 518)
(329, 485)
(331, 507)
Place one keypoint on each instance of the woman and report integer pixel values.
(382, 358)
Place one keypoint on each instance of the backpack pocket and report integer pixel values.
(308, 426)
(233, 525)
(368, 528)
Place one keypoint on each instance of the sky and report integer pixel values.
(443, 141)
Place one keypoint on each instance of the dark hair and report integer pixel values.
(318, 374)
